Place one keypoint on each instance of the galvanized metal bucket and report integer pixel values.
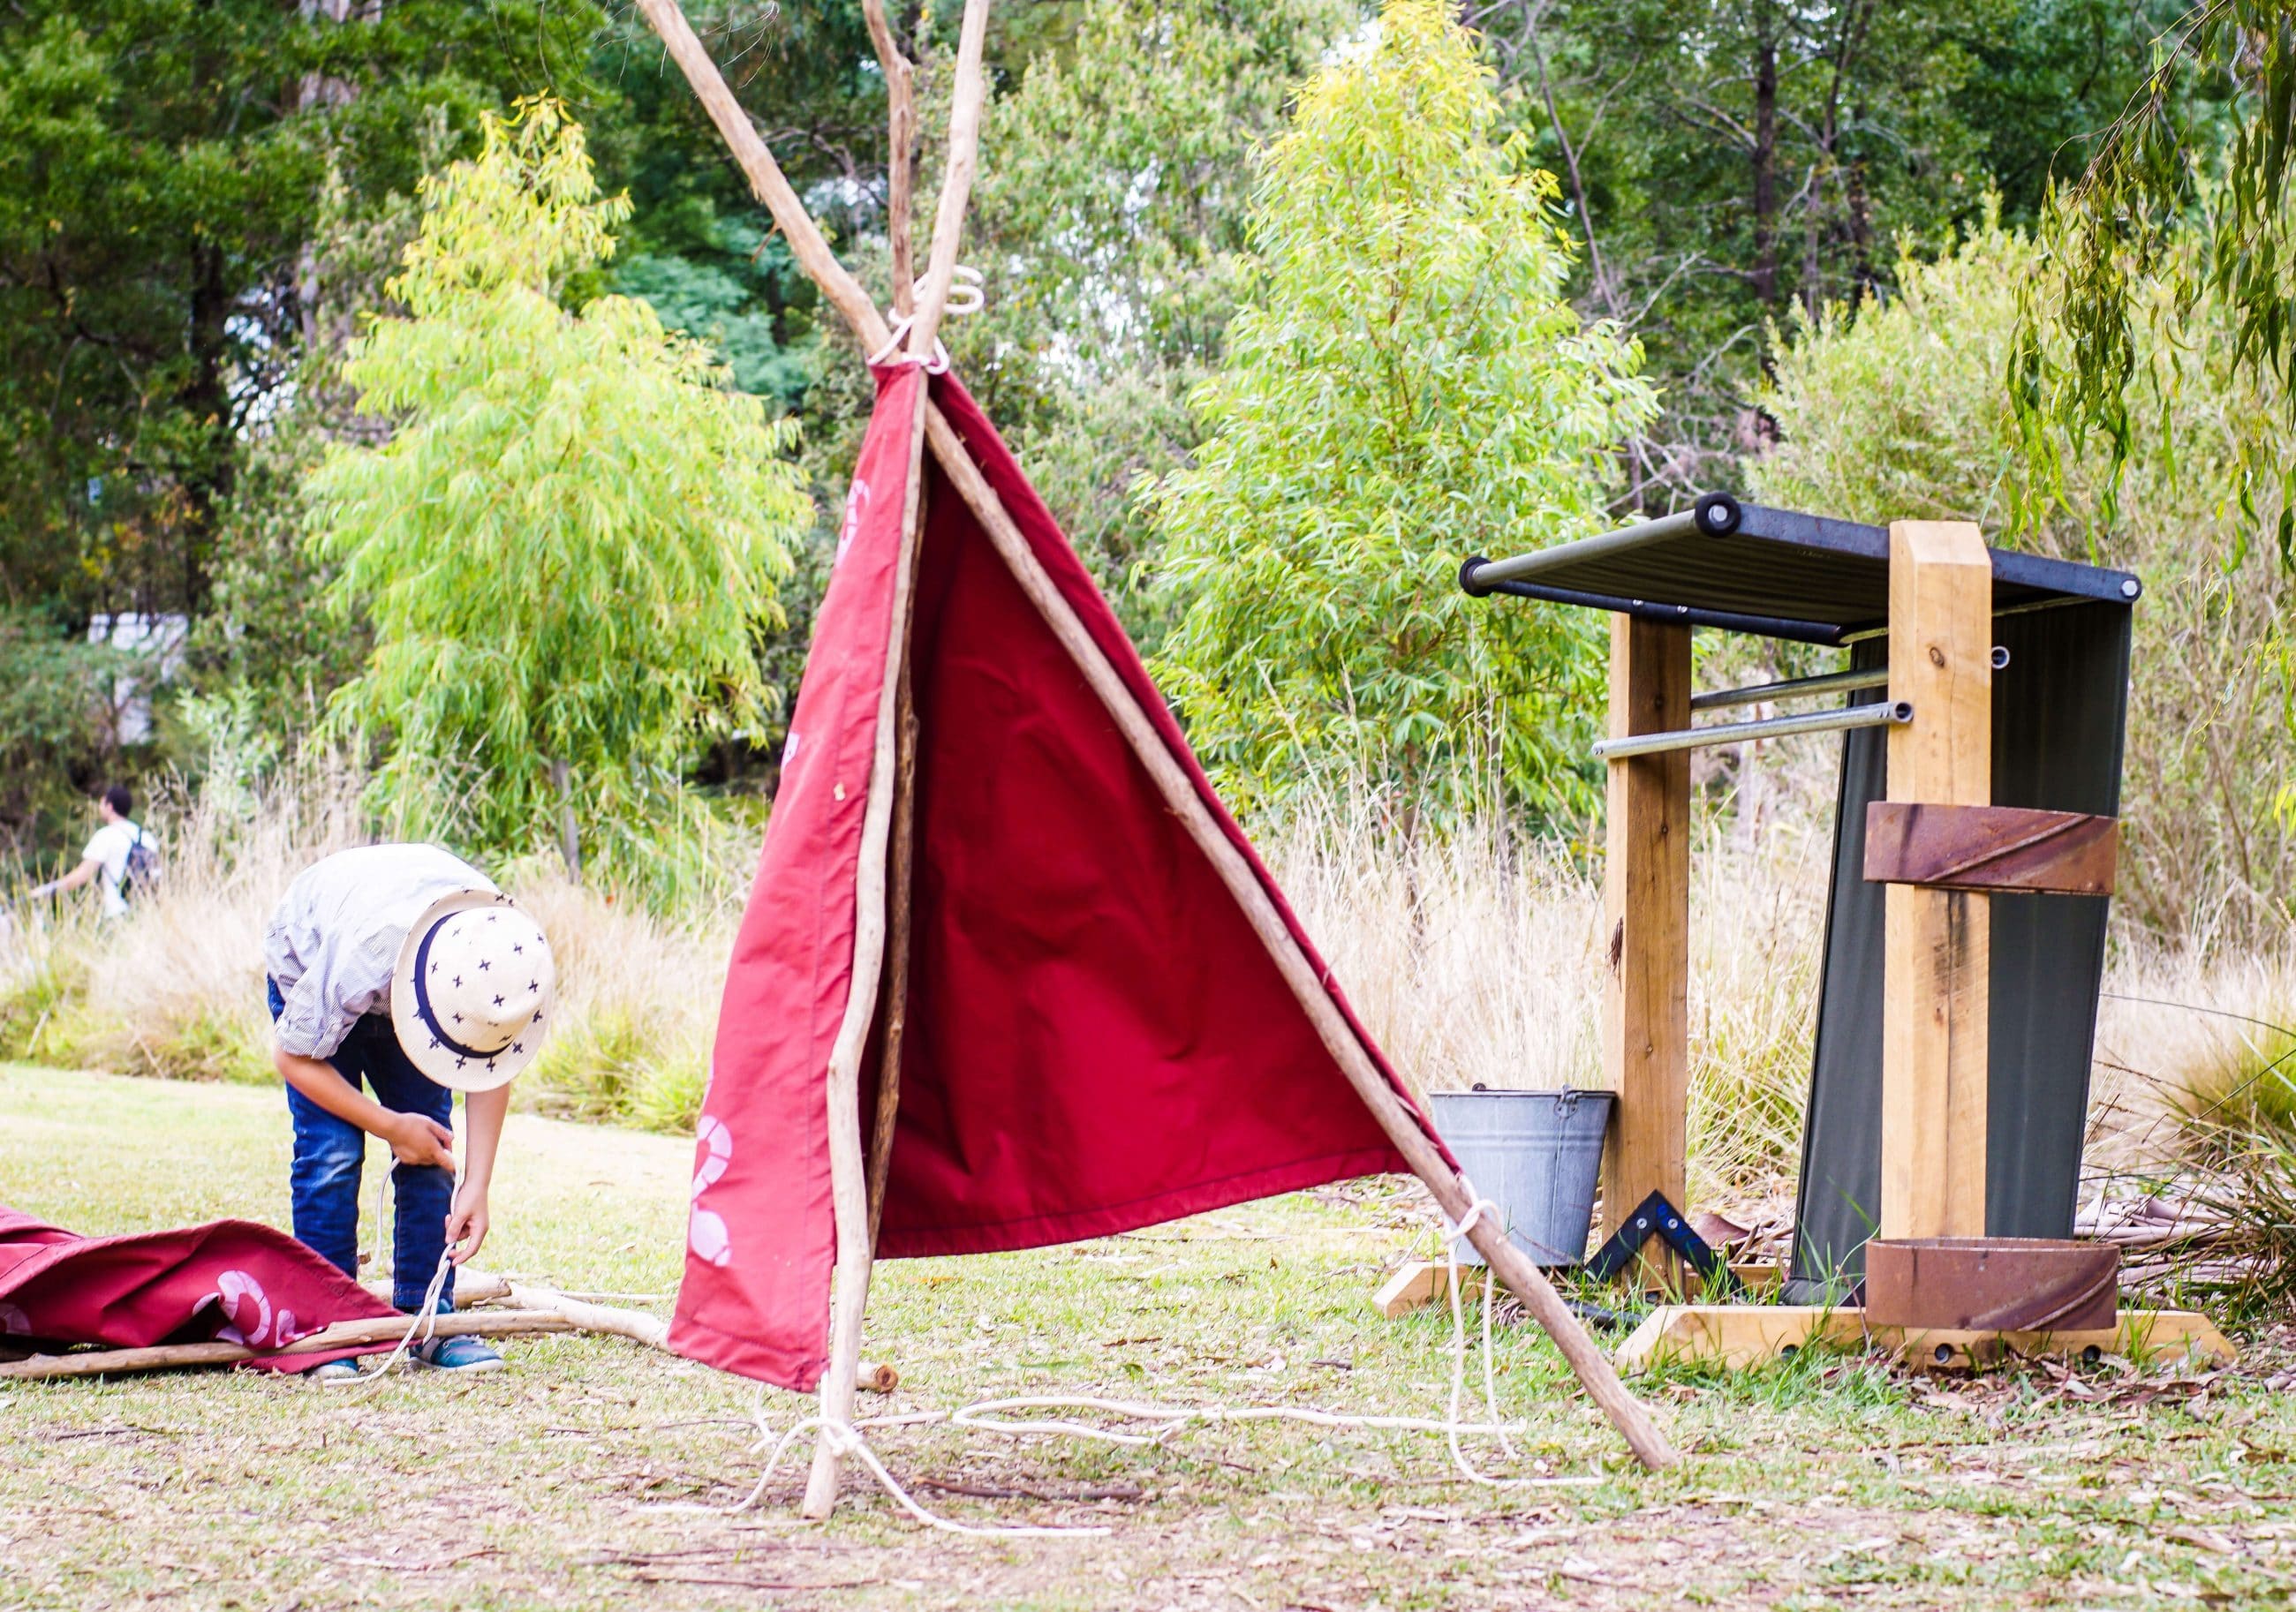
(1537, 1154)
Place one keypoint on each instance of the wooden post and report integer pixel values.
(900, 149)
(893, 1009)
(878, 900)
(1937, 943)
(1646, 925)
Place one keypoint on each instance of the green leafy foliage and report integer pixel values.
(1725, 158)
(1406, 387)
(160, 166)
(2203, 143)
(55, 700)
(1112, 206)
(1896, 412)
(570, 543)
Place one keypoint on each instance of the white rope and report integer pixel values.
(425, 1319)
(991, 1416)
(1452, 1234)
(967, 294)
(845, 1439)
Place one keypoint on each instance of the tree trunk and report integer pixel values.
(569, 838)
(1765, 154)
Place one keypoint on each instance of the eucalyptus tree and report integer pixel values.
(1405, 385)
(570, 543)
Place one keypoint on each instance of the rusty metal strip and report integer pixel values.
(2001, 849)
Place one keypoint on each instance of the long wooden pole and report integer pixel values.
(1505, 1260)
(894, 1009)
(876, 899)
(806, 245)
(848, 1189)
(1401, 1125)
(900, 149)
(970, 93)
(901, 134)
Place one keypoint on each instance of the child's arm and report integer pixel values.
(466, 1227)
(412, 1139)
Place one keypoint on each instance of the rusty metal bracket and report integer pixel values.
(2009, 1284)
(1997, 850)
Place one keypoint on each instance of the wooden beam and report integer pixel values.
(1646, 912)
(349, 1334)
(1937, 943)
(970, 95)
(1402, 1126)
(877, 902)
(1739, 1336)
(893, 1009)
(2016, 850)
(900, 147)
(766, 182)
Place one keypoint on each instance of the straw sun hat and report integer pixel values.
(471, 996)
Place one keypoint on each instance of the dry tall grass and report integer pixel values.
(175, 989)
(1474, 957)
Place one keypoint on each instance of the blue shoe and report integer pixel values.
(460, 1353)
(334, 1371)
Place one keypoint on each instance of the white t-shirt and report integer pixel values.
(110, 847)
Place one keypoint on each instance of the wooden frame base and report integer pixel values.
(1736, 1336)
(1420, 1282)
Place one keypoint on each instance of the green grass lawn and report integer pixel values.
(595, 1472)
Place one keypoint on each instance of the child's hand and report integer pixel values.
(416, 1141)
(466, 1226)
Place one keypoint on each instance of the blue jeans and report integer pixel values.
(330, 1153)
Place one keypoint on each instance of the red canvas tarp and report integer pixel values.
(230, 1279)
(1097, 1040)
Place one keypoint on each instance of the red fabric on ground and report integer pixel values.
(229, 1280)
(1097, 1039)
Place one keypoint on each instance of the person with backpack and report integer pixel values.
(119, 857)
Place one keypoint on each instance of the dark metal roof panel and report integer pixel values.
(1748, 561)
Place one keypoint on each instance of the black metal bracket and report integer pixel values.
(1656, 1217)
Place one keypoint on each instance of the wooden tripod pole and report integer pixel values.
(1505, 1261)
(876, 902)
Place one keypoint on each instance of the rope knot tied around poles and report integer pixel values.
(967, 294)
(1453, 1232)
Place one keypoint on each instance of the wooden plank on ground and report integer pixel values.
(1937, 943)
(1738, 1336)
